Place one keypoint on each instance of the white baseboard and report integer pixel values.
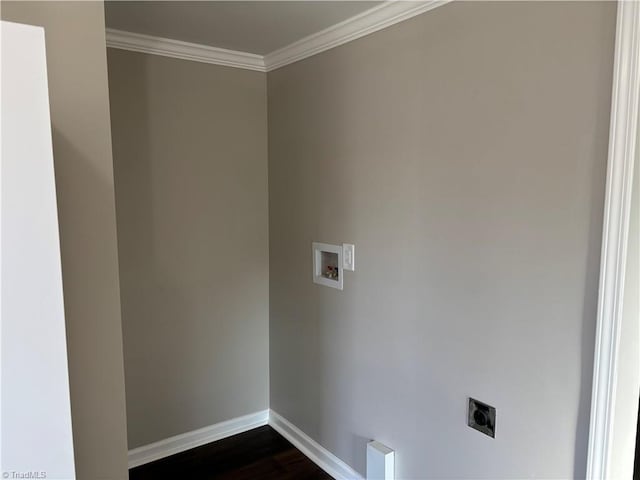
(180, 443)
(185, 441)
(312, 449)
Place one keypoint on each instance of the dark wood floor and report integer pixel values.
(636, 469)
(258, 454)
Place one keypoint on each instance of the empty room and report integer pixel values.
(319, 240)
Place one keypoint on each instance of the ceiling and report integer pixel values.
(255, 27)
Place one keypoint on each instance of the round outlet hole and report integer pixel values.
(480, 418)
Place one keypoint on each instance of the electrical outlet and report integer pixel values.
(482, 417)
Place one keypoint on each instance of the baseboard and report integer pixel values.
(312, 449)
(180, 443)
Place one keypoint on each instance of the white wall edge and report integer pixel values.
(365, 23)
(312, 449)
(180, 443)
(369, 21)
(167, 47)
(615, 230)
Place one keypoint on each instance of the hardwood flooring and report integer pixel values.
(261, 453)
(636, 469)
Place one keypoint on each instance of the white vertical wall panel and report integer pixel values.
(35, 407)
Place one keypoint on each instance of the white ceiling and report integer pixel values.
(256, 27)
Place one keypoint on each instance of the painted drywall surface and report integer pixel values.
(190, 157)
(36, 428)
(464, 153)
(628, 381)
(76, 63)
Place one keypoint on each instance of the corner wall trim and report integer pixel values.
(180, 443)
(370, 21)
(384, 15)
(312, 449)
(615, 233)
(167, 47)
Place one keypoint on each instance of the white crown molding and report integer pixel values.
(369, 21)
(180, 443)
(615, 232)
(312, 449)
(167, 47)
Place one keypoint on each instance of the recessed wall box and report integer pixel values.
(327, 265)
(482, 417)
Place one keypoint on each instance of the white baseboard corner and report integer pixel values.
(322, 457)
(180, 443)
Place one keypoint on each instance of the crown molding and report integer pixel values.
(369, 21)
(167, 47)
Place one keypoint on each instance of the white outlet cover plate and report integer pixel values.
(349, 257)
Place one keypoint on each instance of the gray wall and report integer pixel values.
(190, 160)
(78, 94)
(464, 153)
